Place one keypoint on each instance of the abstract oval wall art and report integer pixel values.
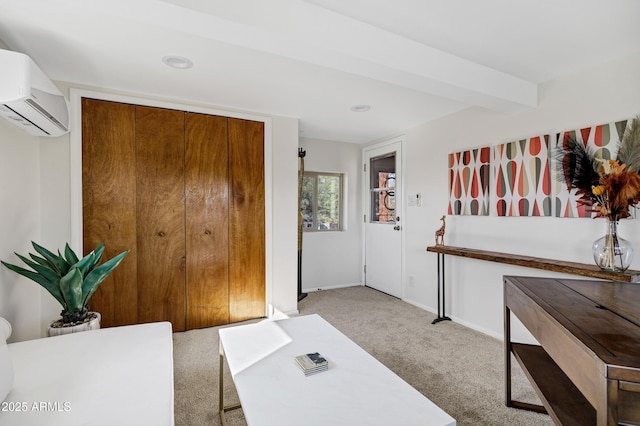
(469, 173)
(522, 178)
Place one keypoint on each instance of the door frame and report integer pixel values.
(400, 199)
(75, 166)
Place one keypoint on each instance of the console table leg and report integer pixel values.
(221, 405)
(441, 294)
(221, 387)
(507, 357)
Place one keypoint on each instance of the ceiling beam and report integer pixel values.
(305, 32)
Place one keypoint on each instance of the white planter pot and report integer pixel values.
(93, 324)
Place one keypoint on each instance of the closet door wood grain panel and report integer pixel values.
(246, 220)
(160, 215)
(109, 203)
(184, 192)
(207, 223)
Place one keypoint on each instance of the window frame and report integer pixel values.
(341, 200)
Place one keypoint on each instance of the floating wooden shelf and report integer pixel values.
(585, 270)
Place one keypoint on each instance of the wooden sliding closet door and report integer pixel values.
(207, 219)
(160, 215)
(246, 220)
(185, 193)
(109, 203)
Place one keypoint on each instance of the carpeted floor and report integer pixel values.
(459, 369)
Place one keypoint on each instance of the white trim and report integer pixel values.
(75, 167)
(399, 199)
(331, 287)
(293, 313)
(475, 327)
(421, 306)
(457, 320)
(276, 314)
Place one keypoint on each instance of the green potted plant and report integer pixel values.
(71, 281)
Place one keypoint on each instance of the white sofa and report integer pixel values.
(111, 376)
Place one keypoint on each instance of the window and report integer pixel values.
(383, 189)
(321, 204)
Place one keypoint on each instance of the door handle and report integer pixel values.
(397, 227)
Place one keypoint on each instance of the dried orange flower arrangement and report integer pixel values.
(609, 186)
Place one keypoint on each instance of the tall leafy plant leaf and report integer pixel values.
(52, 287)
(86, 263)
(95, 277)
(49, 274)
(70, 255)
(97, 253)
(51, 258)
(71, 288)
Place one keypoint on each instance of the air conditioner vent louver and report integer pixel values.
(47, 115)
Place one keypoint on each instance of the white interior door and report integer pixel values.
(383, 217)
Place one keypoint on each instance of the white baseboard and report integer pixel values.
(274, 313)
(458, 320)
(476, 328)
(421, 306)
(330, 287)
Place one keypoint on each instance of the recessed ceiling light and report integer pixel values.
(360, 108)
(177, 62)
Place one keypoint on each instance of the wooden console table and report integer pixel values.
(586, 369)
(582, 269)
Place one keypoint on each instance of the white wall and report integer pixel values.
(20, 297)
(334, 259)
(600, 95)
(283, 253)
(54, 215)
(36, 192)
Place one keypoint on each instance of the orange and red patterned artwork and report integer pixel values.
(469, 173)
(522, 178)
(603, 140)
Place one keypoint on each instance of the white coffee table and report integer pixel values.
(356, 390)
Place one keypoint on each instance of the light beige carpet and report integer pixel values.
(459, 369)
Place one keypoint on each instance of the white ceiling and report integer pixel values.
(411, 60)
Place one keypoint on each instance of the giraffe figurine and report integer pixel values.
(440, 233)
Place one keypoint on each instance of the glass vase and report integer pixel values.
(610, 252)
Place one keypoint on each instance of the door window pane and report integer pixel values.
(382, 188)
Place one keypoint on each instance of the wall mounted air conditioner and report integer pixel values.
(29, 99)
